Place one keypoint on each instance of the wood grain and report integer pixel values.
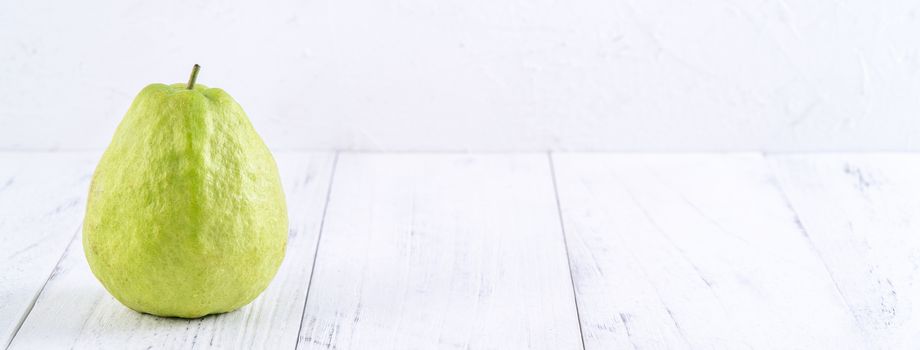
(862, 214)
(74, 311)
(42, 197)
(453, 251)
(694, 251)
(441, 251)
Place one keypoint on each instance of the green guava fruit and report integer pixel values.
(186, 216)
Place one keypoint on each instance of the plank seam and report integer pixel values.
(565, 243)
(57, 265)
(319, 237)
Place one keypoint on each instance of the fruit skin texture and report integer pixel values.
(186, 215)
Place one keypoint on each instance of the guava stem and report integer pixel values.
(191, 79)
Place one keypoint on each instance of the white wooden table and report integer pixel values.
(515, 251)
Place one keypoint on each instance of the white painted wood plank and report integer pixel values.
(694, 251)
(441, 251)
(862, 213)
(42, 196)
(74, 311)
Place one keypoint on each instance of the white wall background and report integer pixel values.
(772, 75)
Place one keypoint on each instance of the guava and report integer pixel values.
(186, 215)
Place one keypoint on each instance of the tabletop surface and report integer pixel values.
(514, 251)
